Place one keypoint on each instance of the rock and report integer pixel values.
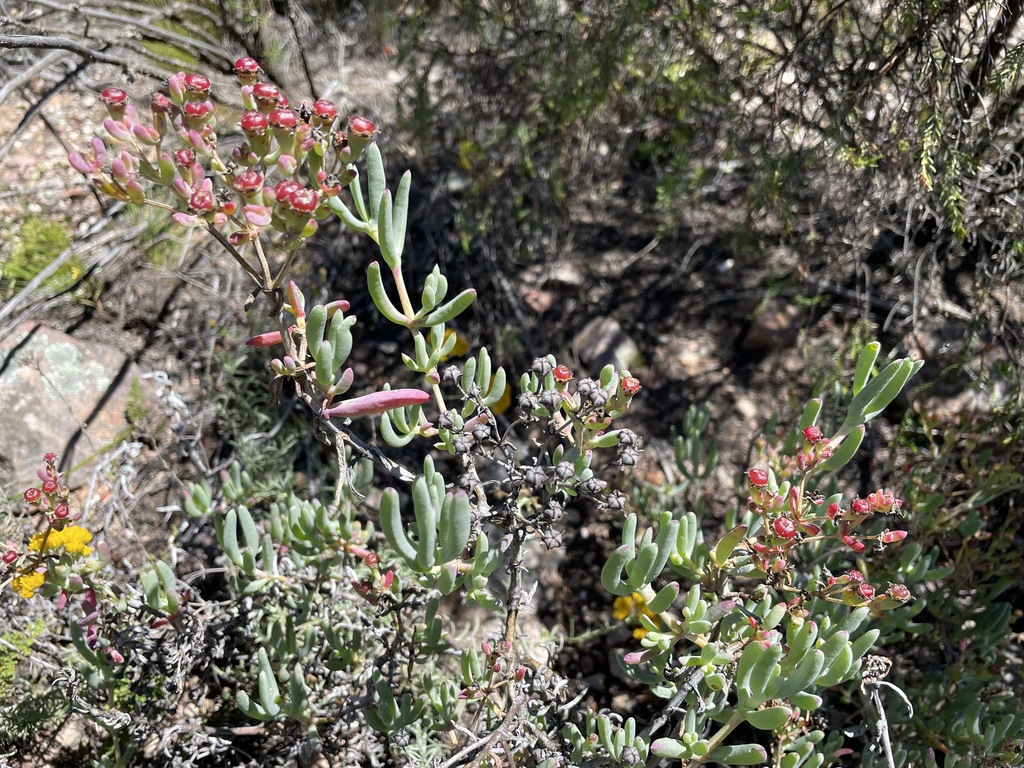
(777, 326)
(746, 408)
(58, 394)
(603, 341)
(682, 359)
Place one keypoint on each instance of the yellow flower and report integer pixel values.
(74, 538)
(628, 606)
(52, 539)
(27, 584)
(622, 608)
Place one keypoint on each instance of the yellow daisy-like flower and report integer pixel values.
(74, 538)
(634, 606)
(27, 584)
(48, 540)
(622, 607)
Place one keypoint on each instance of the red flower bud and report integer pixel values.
(360, 126)
(32, 495)
(865, 591)
(198, 110)
(324, 111)
(854, 576)
(898, 592)
(860, 506)
(304, 201)
(832, 511)
(246, 69)
(813, 434)
(61, 511)
(561, 373)
(372, 559)
(758, 477)
(161, 104)
(248, 182)
(630, 384)
(254, 123)
(198, 85)
(50, 458)
(115, 99)
(10, 556)
(184, 158)
(285, 119)
(266, 96)
(49, 486)
(784, 528)
(284, 189)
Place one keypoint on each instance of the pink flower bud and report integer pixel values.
(160, 104)
(832, 511)
(257, 215)
(854, 544)
(287, 165)
(10, 556)
(117, 129)
(376, 402)
(202, 202)
(860, 506)
(146, 134)
(176, 87)
(186, 219)
(891, 537)
(296, 301)
(268, 339)
(813, 434)
(61, 511)
(185, 158)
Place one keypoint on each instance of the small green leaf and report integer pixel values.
(723, 549)
(768, 719)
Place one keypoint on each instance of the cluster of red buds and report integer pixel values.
(51, 497)
(789, 519)
(815, 449)
(853, 589)
(51, 500)
(177, 149)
